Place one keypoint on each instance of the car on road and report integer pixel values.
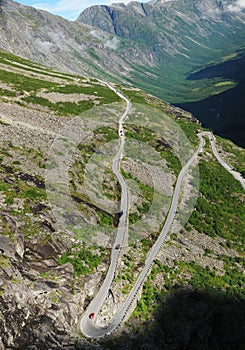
(117, 246)
(91, 316)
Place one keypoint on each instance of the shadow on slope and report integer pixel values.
(193, 320)
(222, 113)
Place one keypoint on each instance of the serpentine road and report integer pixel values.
(234, 173)
(87, 325)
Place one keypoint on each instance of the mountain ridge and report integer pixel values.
(148, 53)
(157, 45)
(184, 37)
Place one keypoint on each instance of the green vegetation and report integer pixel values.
(145, 245)
(33, 193)
(134, 96)
(172, 160)
(190, 129)
(108, 133)
(101, 136)
(84, 259)
(235, 154)
(187, 319)
(179, 89)
(24, 83)
(219, 211)
(92, 53)
(5, 57)
(7, 93)
(4, 261)
(208, 252)
(126, 274)
(30, 227)
(204, 278)
(61, 108)
(21, 63)
(87, 150)
(105, 219)
(22, 192)
(150, 295)
(201, 278)
(103, 93)
(220, 208)
(129, 272)
(139, 133)
(146, 195)
(143, 134)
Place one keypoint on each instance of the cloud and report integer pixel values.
(238, 6)
(112, 43)
(69, 9)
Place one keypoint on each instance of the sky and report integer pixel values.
(69, 9)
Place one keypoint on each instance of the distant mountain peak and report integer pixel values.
(156, 2)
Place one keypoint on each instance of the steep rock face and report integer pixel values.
(37, 34)
(165, 25)
(59, 43)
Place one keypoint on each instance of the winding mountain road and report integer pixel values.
(87, 325)
(234, 173)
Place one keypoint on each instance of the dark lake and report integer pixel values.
(223, 113)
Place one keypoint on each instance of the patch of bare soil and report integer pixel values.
(28, 127)
(55, 97)
(191, 246)
(5, 86)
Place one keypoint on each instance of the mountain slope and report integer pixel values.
(54, 41)
(182, 35)
(48, 274)
(186, 37)
(154, 45)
